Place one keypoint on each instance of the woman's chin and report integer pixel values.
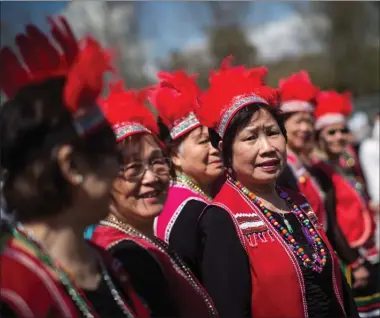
(151, 209)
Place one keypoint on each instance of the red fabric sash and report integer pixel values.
(191, 302)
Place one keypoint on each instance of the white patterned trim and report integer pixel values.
(188, 123)
(125, 129)
(42, 275)
(17, 301)
(251, 224)
(329, 119)
(293, 106)
(236, 104)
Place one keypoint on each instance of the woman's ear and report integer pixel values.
(68, 166)
(220, 145)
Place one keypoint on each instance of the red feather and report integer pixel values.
(12, 74)
(84, 68)
(85, 78)
(331, 102)
(298, 86)
(123, 105)
(229, 83)
(175, 97)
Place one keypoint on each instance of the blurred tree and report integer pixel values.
(223, 24)
(350, 42)
(226, 31)
(116, 25)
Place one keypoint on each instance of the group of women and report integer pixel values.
(216, 205)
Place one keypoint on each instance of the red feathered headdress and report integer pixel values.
(297, 93)
(232, 88)
(332, 108)
(127, 113)
(176, 98)
(83, 68)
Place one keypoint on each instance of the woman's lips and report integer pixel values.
(269, 165)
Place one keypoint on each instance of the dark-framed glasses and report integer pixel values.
(343, 131)
(135, 170)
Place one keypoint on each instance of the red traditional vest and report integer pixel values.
(353, 216)
(308, 186)
(31, 291)
(193, 300)
(277, 280)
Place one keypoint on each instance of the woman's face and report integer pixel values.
(299, 129)
(197, 158)
(259, 150)
(140, 192)
(333, 139)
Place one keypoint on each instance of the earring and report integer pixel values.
(230, 171)
(79, 179)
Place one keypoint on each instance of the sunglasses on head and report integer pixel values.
(343, 131)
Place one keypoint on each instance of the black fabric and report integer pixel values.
(224, 265)
(104, 303)
(147, 278)
(335, 235)
(287, 179)
(183, 237)
(225, 270)
(6, 311)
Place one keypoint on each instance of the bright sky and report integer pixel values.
(170, 24)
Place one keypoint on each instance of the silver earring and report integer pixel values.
(229, 170)
(79, 179)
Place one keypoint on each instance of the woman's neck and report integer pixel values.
(206, 187)
(268, 194)
(65, 242)
(145, 227)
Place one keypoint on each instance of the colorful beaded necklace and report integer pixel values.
(19, 232)
(319, 258)
(181, 178)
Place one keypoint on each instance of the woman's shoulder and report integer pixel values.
(215, 216)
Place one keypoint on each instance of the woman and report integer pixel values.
(196, 163)
(297, 94)
(138, 197)
(59, 157)
(353, 215)
(263, 253)
(298, 97)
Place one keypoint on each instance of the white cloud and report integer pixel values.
(287, 37)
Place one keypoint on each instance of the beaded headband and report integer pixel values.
(292, 106)
(237, 103)
(126, 129)
(184, 126)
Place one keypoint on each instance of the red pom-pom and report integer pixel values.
(331, 102)
(127, 106)
(229, 84)
(298, 86)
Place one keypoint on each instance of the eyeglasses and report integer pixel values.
(332, 132)
(135, 170)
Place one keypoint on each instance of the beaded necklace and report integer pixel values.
(178, 264)
(192, 185)
(28, 238)
(319, 257)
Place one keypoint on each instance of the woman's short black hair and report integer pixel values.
(241, 120)
(33, 125)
